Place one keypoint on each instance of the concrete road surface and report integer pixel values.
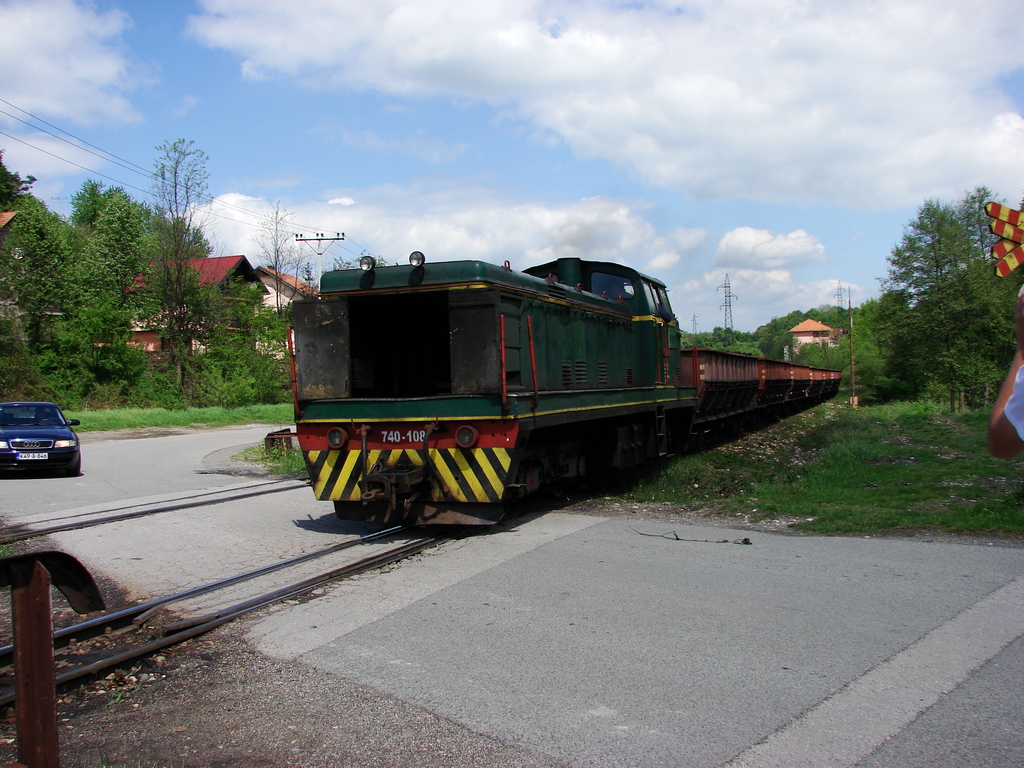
(615, 641)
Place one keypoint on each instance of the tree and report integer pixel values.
(35, 268)
(278, 249)
(185, 305)
(12, 186)
(946, 318)
(726, 339)
(108, 304)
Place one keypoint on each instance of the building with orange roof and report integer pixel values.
(813, 332)
(282, 288)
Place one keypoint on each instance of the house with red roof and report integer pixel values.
(219, 271)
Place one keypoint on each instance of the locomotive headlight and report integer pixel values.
(367, 263)
(466, 436)
(336, 437)
(416, 258)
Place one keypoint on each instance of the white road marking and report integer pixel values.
(287, 634)
(856, 720)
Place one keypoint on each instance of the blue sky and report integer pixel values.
(782, 142)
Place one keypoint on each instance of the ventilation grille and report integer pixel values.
(22, 444)
(629, 375)
(566, 373)
(581, 372)
(602, 372)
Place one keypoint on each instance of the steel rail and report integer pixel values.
(212, 621)
(195, 495)
(36, 532)
(137, 614)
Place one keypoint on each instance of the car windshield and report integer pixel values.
(30, 416)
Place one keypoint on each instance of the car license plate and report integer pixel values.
(32, 456)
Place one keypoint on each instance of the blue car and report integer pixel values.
(38, 436)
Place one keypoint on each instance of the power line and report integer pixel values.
(130, 166)
(77, 165)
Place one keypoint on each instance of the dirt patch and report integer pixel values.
(214, 702)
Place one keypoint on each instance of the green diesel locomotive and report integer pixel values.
(437, 393)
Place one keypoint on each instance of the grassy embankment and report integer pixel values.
(832, 469)
(835, 469)
(128, 418)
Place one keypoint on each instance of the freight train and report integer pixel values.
(437, 393)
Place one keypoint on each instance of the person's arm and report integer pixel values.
(1004, 442)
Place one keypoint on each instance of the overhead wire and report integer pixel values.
(128, 165)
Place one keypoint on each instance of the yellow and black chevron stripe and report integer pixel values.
(469, 475)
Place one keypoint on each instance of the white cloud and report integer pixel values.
(760, 249)
(472, 224)
(871, 104)
(188, 103)
(416, 146)
(63, 60)
(448, 224)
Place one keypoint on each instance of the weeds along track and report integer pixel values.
(114, 639)
(48, 523)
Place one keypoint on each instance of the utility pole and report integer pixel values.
(320, 249)
(853, 375)
(728, 295)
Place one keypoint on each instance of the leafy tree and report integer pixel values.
(726, 339)
(186, 307)
(35, 268)
(945, 317)
(12, 186)
(245, 361)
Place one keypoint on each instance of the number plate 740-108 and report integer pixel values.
(403, 436)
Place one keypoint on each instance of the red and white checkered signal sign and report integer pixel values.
(1009, 225)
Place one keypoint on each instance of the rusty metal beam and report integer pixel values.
(29, 577)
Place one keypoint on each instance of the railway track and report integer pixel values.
(25, 529)
(155, 638)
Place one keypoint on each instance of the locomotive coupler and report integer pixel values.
(387, 482)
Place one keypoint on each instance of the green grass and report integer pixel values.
(836, 469)
(127, 418)
(277, 461)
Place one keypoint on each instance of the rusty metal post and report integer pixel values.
(33, 666)
(29, 577)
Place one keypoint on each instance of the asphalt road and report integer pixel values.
(610, 641)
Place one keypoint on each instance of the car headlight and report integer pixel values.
(3, 445)
(64, 443)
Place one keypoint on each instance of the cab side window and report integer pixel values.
(611, 286)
